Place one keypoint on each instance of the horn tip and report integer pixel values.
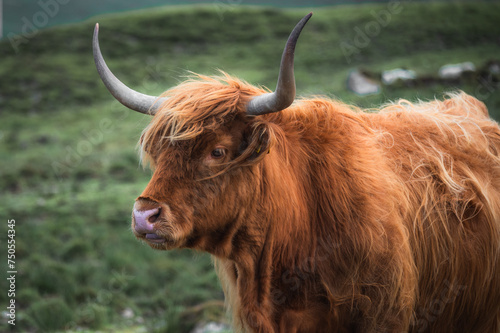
(96, 27)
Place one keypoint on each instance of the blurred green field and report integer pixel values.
(70, 171)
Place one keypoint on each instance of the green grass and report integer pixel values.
(70, 172)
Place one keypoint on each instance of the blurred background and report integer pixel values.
(69, 170)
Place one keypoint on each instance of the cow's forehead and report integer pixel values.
(205, 97)
(195, 108)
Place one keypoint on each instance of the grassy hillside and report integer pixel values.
(70, 174)
(63, 12)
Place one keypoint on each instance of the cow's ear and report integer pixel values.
(256, 143)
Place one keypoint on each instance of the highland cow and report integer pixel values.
(321, 217)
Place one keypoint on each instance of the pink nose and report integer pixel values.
(145, 219)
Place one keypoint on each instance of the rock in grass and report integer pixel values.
(361, 84)
(393, 75)
(455, 71)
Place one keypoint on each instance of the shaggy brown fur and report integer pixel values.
(323, 218)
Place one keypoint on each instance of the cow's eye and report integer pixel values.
(218, 153)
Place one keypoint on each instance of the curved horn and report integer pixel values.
(284, 94)
(130, 98)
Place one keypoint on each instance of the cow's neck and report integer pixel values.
(281, 239)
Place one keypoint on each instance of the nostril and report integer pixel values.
(143, 220)
(154, 217)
